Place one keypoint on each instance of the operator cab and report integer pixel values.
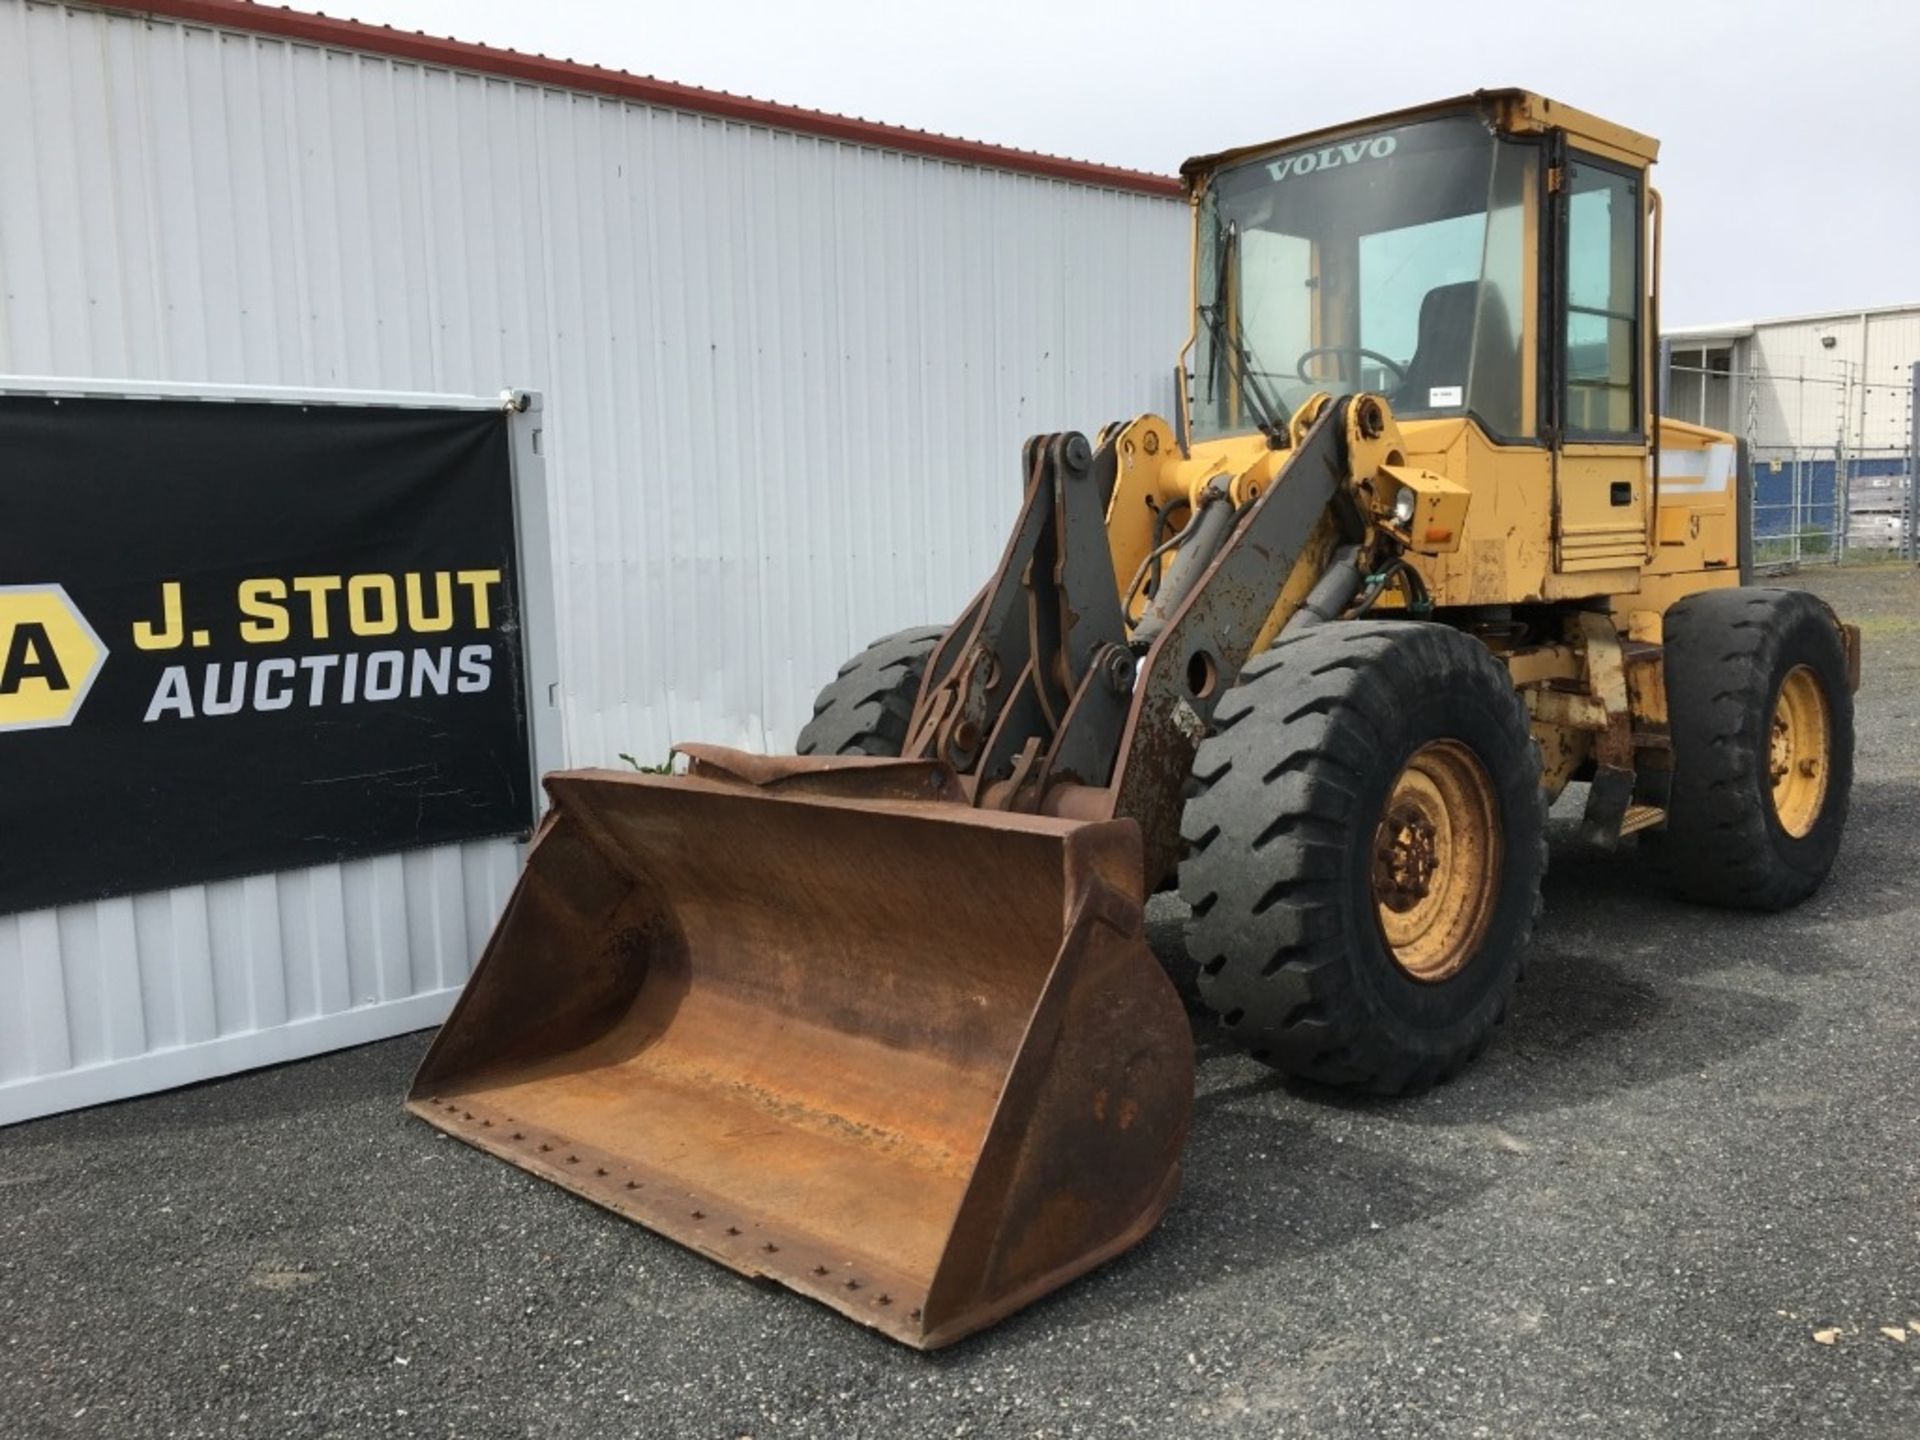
(1405, 256)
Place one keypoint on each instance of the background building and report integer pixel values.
(788, 362)
(1825, 403)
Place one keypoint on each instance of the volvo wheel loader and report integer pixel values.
(878, 1020)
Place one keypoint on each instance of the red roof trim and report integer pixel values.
(567, 75)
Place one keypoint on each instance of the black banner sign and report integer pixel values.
(240, 637)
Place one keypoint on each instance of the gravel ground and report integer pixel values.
(1693, 1153)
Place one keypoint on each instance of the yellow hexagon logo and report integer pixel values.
(49, 657)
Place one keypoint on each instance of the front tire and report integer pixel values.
(1365, 853)
(866, 708)
(1761, 719)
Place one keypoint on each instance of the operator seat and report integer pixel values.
(1443, 351)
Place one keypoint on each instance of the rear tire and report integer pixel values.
(1365, 776)
(866, 709)
(1762, 726)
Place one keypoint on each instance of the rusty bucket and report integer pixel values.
(824, 1022)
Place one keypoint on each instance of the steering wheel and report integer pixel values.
(1300, 365)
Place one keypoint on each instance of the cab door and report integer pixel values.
(1600, 474)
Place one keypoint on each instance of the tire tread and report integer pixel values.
(1265, 836)
(1724, 652)
(865, 709)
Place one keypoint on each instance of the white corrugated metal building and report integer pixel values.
(788, 361)
(1801, 382)
(1825, 404)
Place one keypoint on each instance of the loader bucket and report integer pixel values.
(907, 1057)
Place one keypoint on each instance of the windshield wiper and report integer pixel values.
(1269, 414)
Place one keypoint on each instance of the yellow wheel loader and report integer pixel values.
(878, 1020)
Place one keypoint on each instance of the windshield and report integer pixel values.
(1393, 261)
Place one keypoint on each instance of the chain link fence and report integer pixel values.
(1824, 506)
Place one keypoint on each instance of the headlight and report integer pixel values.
(1403, 504)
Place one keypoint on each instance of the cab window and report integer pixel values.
(1389, 260)
(1601, 285)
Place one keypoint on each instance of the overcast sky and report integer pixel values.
(1790, 132)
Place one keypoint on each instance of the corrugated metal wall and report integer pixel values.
(787, 382)
(1806, 394)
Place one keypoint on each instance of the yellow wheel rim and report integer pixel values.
(1798, 751)
(1436, 861)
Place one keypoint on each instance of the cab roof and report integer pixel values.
(1516, 112)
